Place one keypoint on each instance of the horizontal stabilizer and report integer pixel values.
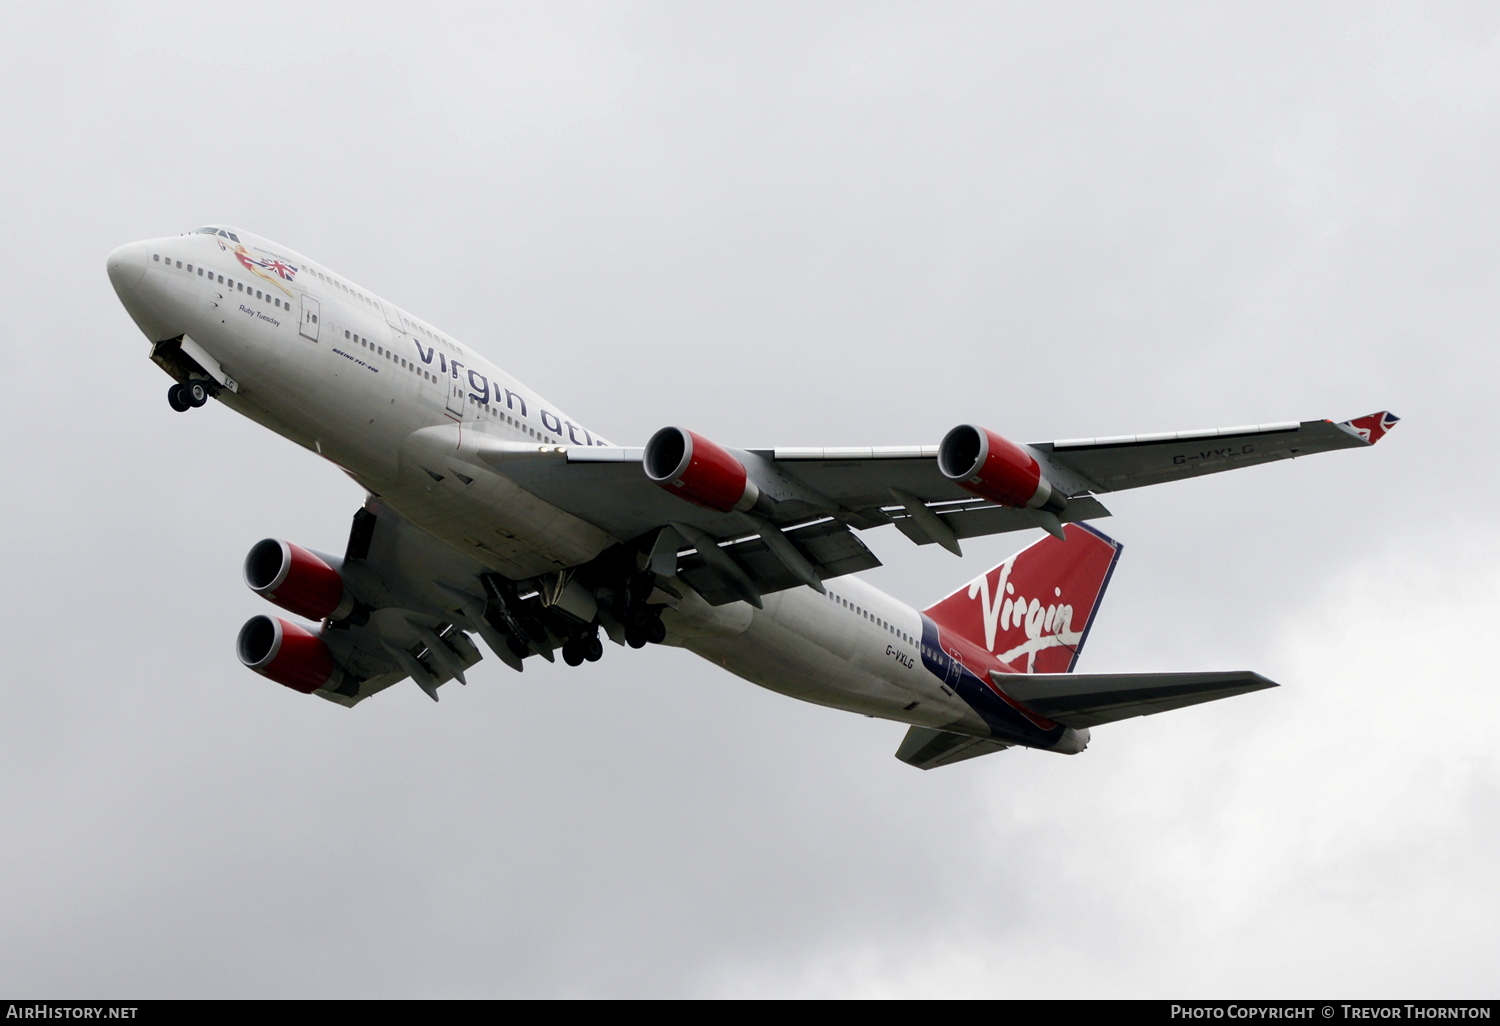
(926, 748)
(1088, 699)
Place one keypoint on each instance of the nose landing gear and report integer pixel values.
(187, 396)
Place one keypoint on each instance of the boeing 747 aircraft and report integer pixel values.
(493, 512)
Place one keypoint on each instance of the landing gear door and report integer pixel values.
(309, 318)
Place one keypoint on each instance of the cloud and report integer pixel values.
(1334, 836)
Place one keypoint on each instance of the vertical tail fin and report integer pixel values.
(1034, 610)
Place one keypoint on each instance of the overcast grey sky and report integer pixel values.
(786, 224)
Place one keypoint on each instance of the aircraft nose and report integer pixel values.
(127, 266)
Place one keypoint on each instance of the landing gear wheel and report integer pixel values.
(175, 400)
(636, 637)
(517, 646)
(593, 648)
(656, 633)
(195, 393)
(572, 654)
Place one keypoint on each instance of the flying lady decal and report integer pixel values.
(280, 268)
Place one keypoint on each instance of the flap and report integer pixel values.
(972, 519)
(831, 548)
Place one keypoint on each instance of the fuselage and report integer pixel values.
(390, 399)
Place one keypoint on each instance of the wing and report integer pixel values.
(803, 536)
(1089, 699)
(814, 499)
(1131, 461)
(418, 600)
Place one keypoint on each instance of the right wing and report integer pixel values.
(424, 599)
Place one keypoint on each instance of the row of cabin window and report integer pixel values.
(340, 285)
(422, 329)
(513, 422)
(408, 365)
(365, 342)
(871, 617)
(204, 272)
(410, 324)
(357, 294)
(387, 354)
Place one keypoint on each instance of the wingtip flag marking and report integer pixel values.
(1371, 428)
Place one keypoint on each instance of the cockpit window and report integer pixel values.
(214, 231)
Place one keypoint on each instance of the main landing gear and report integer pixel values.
(187, 396)
(584, 646)
(643, 626)
(642, 622)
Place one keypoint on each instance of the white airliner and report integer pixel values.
(493, 512)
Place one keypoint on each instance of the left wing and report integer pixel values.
(1132, 461)
(801, 505)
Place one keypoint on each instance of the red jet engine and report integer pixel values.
(288, 654)
(700, 471)
(297, 580)
(995, 468)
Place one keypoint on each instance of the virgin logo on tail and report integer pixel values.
(1043, 626)
(1032, 612)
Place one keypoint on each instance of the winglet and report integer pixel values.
(1371, 429)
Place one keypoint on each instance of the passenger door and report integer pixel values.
(456, 389)
(309, 318)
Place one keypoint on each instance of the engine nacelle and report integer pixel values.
(1073, 741)
(297, 580)
(982, 462)
(288, 654)
(700, 471)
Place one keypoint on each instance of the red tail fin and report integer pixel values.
(1034, 610)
